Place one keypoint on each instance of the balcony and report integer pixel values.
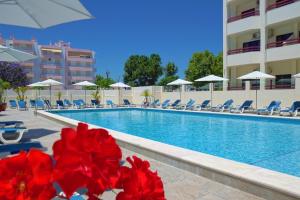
(51, 66)
(279, 4)
(283, 50)
(81, 69)
(81, 78)
(80, 59)
(52, 76)
(245, 14)
(243, 50)
(283, 10)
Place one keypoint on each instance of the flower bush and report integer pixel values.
(84, 158)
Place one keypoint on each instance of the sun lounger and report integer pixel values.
(246, 106)
(4, 132)
(165, 104)
(204, 105)
(155, 103)
(22, 105)
(127, 103)
(293, 110)
(78, 104)
(15, 124)
(47, 104)
(13, 104)
(32, 103)
(175, 104)
(96, 104)
(60, 104)
(188, 106)
(111, 104)
(40, 105)
(67, 103)
(223, 107)
(269, 110)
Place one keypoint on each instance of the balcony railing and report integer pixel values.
(283, 43)
(243, 50)
(280, 87)
(243, 15)
(280, 4)
(236, 87)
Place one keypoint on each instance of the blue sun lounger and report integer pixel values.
(78, 104)
(8, 131)
(223, 107)
(204, 105)
(96, 104)
(13, 104)
(269, 110)
(22, 105)
(246, 106)
(67, 103)
(7, 149)
(293, 110)
(127, 103)
(155, 103)
(175, 104)
(165, 104)
(111, 104)
(188, 106)
(15, 124)
(60, 104)
(32, 103)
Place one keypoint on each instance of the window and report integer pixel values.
(283, 80)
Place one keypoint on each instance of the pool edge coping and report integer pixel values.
(279, 182)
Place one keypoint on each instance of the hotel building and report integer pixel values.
(261, 35)
(57, 61)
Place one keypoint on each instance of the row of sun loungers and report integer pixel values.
(272, 108)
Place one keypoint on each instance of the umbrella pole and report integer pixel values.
(50, 96)
(256, 98)
(211, 91)
(85, 96)
(119, 97)
(180, 92)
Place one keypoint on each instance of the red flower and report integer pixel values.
(139, 182)
(26, 176)
(86, 159)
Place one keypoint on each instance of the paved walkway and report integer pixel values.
(178, 184)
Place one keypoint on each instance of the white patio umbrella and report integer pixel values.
(41, 13)
(85, 84)
(119, 85)
(37, 84)
(8, 54)
(211, 79)
(180, 82)
(49, 83)
(256, 75)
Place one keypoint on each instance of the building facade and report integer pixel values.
(57, 61)
(261, 35)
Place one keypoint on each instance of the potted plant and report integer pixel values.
(4, 85)
(20, 91)
(59, 95)
(96, 96)
(147, 95)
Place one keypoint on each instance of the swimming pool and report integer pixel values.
(272, 143)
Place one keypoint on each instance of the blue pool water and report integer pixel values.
(266, 142)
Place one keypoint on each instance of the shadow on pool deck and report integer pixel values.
(37, 133)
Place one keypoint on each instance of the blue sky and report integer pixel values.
(175, 29)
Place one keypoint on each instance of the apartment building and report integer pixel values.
(261, 35)
(57, 61)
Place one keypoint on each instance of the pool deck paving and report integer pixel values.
(178, 184)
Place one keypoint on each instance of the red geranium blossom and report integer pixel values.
(26, 176)
(139, 182)
(86, 159)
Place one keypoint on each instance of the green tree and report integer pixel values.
(141, 70)
(170, 72)
(4, 85)
(202, 64)
(103, 82)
